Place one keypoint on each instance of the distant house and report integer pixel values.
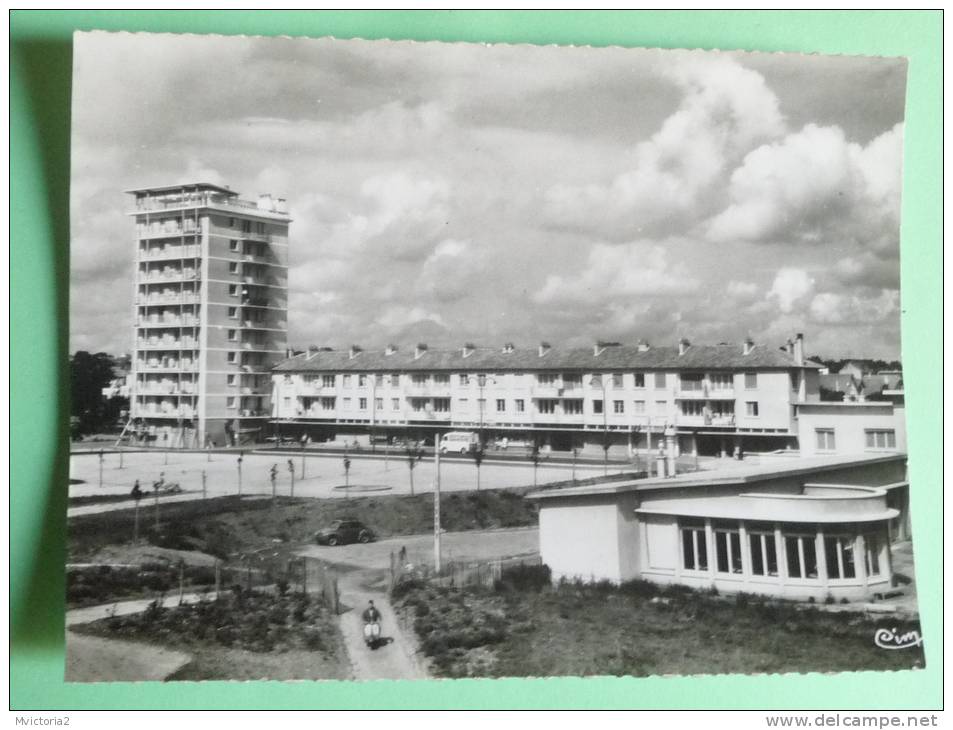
(851, 368)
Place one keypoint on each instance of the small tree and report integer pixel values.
(478, 453)
(534, 457)
(347, 472)
(414, 455)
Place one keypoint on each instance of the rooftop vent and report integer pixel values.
(265, 202)
(642, 346)
(508, 348)
(468, 349)
(747, 346)
(544, 347)
(419, 350)
(683, 345)
(354, 351)
(390, 350)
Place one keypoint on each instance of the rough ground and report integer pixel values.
(94, 659)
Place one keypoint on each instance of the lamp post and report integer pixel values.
(598, 381)
(239, 475)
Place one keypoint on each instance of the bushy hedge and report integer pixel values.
(249, 620)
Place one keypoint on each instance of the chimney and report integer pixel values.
(798, 349)
(281, 206)
(543, 348)
(390, 350)
(354, 352)
(683, 345)
(265, 202)
(789, 347)
(642, 346)
(468, 349)
(508, 348)
(748, 346)
(419, 350)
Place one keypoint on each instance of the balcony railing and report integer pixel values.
(185, 344)
(170, 232)
(149, 322)
(170, 252)
(155, 277)
(179, 298)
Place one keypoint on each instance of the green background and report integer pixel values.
(40, 103)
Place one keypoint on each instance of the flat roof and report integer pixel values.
(183, 186)
(742, 474)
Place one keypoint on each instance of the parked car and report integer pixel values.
(342, 532)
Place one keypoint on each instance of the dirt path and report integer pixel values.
(395, 658)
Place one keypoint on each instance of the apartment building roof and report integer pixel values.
(599, 358)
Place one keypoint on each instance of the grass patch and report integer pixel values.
(523, 628)
(242, 635)
(93, 585)
(226, 525)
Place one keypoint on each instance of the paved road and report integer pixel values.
(323, 475)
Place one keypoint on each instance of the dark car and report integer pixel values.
(341, 532)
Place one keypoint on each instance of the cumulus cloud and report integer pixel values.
(830, 308)
(789, 287)
(725, 110)
(561, 194)
(632, 271)
(742, 290)
(816, 187)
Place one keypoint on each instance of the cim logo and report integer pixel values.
(890, 639)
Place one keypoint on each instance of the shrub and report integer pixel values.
(406, 587)
(524, 578)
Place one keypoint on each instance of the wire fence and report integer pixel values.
(455, 573)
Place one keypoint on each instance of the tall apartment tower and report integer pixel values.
(211, 314)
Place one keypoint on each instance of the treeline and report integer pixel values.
(92, 412)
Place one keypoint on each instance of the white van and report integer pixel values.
(460, 442)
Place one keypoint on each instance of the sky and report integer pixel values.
(451, 193)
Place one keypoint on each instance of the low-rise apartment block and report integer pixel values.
(718, 398)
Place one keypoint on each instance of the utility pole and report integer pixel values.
(436, 507)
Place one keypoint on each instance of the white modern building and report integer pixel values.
(799, 528)
(718, 398)
(211, 302)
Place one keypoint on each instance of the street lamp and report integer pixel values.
(600, 381)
